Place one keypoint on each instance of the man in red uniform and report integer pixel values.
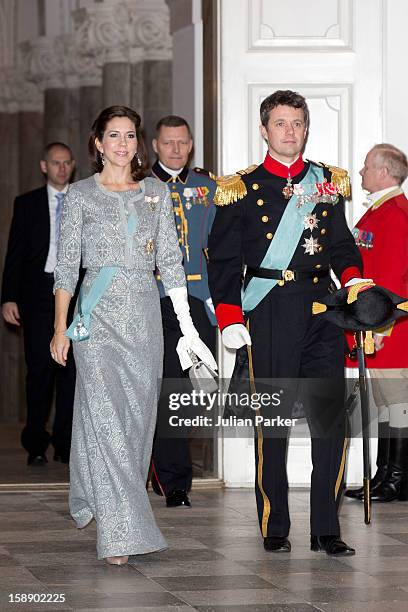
(382, 238)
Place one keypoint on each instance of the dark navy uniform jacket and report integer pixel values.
(243, 230)
(192, 193)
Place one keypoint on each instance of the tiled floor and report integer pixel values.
(13, 458)
(215, 560)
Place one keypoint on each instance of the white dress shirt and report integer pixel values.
(372, 198)
(173, 173)
(52, 207)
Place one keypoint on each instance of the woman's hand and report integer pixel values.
(59, 347)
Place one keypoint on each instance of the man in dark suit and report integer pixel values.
(27, 299)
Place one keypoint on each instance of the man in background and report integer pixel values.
(27, 299)
(382, 238)
(192, 192)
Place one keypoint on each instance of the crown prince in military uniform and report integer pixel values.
(284, 220)
(192, 192)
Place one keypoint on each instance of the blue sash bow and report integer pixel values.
(81, 324)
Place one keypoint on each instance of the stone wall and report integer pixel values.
(53, 84)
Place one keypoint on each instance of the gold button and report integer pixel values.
(260, 202)
(318, 266)
(320, 249)
(265, 219)
(269, 235)
(180, 240)
(324, 213)
(173, 187)
(281, 283)
(323, 231)
(179, 227)
(315, 280)
(255, 186)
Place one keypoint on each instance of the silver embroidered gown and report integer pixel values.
(119, 366)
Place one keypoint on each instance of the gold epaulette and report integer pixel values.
(231, 187)
(204, 171)
(341, 178)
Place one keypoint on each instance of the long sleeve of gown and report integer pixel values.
(168, 252)
(69, 243)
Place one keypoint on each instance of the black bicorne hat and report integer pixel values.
(362, 307)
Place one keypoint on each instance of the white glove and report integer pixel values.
(190, 341)
(354, 281)
(235, 336)
(210, 305)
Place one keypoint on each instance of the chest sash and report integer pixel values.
(285, 241)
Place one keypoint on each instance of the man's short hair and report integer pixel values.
(393, 159)
(173, 121)
(283, 97)
(55, 144)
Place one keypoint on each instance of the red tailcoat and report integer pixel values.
(382, 238)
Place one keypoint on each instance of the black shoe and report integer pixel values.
(331, 545)
(375, 483)
(395, 484)
(63, 457)
(382, 463)
(277, 544)
(36, 460)
(355, 493)
(178, 498)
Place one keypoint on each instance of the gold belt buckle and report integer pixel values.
(287, 275)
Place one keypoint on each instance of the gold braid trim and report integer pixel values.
(354, 290)
(369, 343)
(403, 306)
(318, 308)
(231, 187)
(340, 178)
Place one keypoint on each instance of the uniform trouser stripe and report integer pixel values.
(341, 470)
(259, 436)
(266, 503)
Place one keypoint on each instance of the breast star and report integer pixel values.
(310, 221)
(311, 246)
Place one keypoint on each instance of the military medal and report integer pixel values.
(287, 191)
(188, 193)
(364, 239)
(311, 246)
(310, 222)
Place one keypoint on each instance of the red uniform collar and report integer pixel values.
(275, 167)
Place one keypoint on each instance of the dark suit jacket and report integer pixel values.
(27, 250)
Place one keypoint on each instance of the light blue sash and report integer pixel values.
(81, 325)
(285, 241)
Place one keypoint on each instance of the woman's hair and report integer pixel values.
(139, 172)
